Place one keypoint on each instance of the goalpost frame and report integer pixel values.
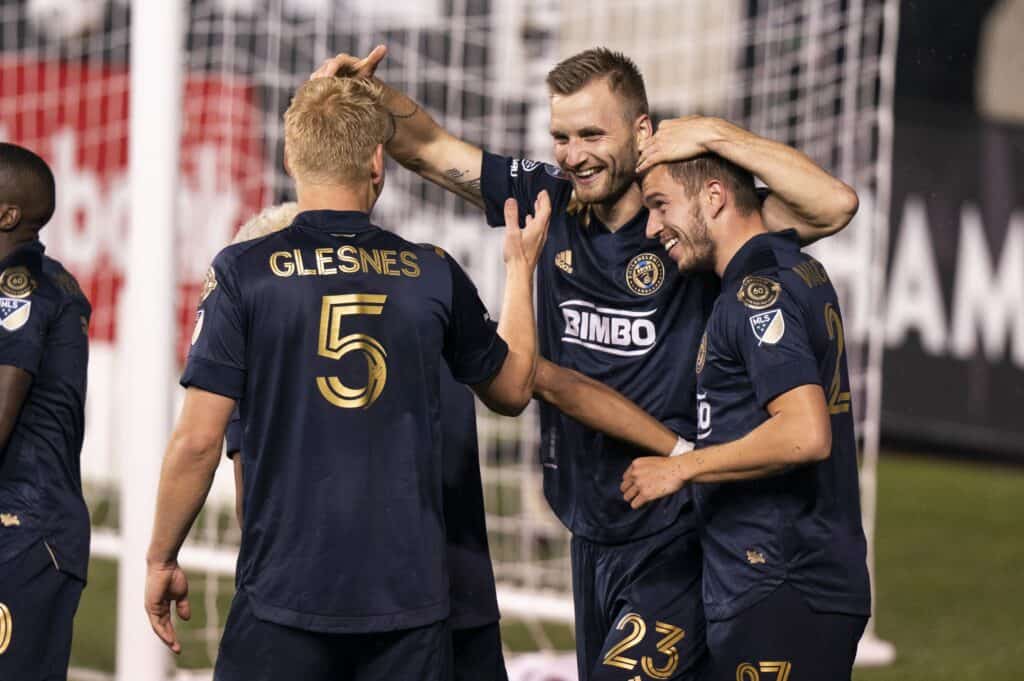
(147, 315)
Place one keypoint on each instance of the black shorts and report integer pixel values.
(256, 650)
(476, 654)
(638, 607)
(37, 608)
(781, 637)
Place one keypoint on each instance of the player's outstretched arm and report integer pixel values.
(417, 142)
(602, 408)
(512, 387)
(14, 385)
(798, 432)
(185, 479)
(804, 196)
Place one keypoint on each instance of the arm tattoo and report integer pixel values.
(394, 123)
(463, 181)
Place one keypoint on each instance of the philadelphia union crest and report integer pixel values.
(645, 274)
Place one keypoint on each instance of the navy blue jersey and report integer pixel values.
(775, 327)
(44, 329)
(473, 598)
(331, 334)
(614, 307)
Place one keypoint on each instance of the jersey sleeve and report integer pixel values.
(216, 361)
(774, 343)
(23, 328)
(233, 434)
(502, 177)
(472, 347)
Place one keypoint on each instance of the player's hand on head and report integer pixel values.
(526, 244)
(676, 139)
(351, 66)
(652, 477)
(166, 583)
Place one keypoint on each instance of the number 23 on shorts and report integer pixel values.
(672, 635)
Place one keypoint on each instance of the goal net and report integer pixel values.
(813, 73)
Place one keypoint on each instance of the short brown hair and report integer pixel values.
(693, 173)
(332, 127)
(573, 74)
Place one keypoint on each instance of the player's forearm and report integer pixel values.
(514, 385)
(420, 144)
(784, 440)
(821, 204)
(185, 479)
(600, 407)
(752, 474)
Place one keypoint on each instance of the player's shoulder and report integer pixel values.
(765, 277)
(235, 257)
(65, 282)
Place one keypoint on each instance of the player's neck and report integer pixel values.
(15, 239)
(617, 213)
(732, 236)
(334, 197)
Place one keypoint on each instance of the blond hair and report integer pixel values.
(269, 220)
(332, 128)
(571, 75)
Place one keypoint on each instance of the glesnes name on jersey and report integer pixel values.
(627, 333)
(347, 259)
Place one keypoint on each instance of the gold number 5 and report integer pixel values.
(335, 346)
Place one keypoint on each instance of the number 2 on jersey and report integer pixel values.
(838, 399)
(335, 346)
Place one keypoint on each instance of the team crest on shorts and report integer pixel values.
(769, 327)
(17, 282)
(14, 313)
(757, 293)
(209, 283)
(645, 274)
(702, 352)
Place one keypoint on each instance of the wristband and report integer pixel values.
(682, 447)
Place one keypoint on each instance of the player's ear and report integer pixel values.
(10, 216)
(287, 167)
(643, 128)
(715, 197)
(377, 165)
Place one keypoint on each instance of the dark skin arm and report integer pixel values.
(14, 385)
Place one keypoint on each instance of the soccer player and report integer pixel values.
(612, 307)
(476, 637)
(785, 577)
(329, 335)
(44, 351)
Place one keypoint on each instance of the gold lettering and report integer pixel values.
(387, 260)
(323, 261)
(371, 258)
(285, 269)
(412, 268)
(347, 255)
(300, 267)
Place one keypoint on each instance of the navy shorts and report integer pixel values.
(781, 637)
(639, 612)
(476, 653)
(37, 608)
(256, 650)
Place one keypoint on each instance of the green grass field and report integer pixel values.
(950, 549)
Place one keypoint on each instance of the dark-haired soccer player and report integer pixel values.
(785, 579)
(612, 307)
(329, 335)
(44, 350)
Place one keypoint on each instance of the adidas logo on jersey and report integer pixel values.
(563, 261)
(625, 333)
